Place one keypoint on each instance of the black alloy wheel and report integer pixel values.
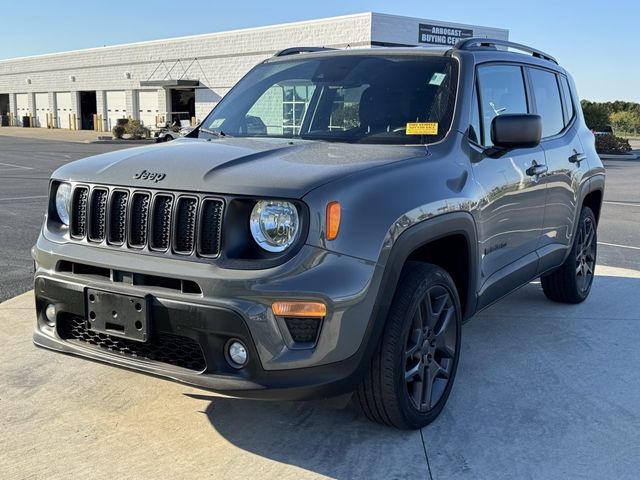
(430, 348)
(586, 254)
(572, 281)
(414, 366)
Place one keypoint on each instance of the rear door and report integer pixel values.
(563, 152)
(511, 211)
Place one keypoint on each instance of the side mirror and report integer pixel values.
(511, 131)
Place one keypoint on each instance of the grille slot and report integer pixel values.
(79, 212)
(209, 230)
(174, 350)
(118, 217)
(161, 222)
(185, 225)
(139, 220)
(98, 213)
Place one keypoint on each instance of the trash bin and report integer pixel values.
(4, 120)
(26, 122)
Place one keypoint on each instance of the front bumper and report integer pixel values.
(232, 304)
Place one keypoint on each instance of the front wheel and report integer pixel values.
(413, 368)
(571, 282)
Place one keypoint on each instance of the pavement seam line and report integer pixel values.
(424, 447)
(627, 204)
(618, 246)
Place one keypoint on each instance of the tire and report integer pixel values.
(421, 339)
(571, 282)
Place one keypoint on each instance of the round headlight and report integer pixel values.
(63, 200)
(274, 224)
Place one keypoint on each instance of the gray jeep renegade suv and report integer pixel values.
(329, 226)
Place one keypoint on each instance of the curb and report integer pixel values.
(621, 156)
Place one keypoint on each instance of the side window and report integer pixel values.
(548, 102)
(502, 90)
(568, 100)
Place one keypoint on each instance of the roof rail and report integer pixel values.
(296, 50)
(471, 43)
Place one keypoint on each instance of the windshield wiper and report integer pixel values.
(216, 133)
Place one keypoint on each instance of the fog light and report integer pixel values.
(50, 313)
(236, 354)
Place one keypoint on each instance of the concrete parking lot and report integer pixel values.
(543, 390)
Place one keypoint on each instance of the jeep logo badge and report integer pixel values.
(152, 177)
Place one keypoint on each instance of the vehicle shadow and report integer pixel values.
(539, 393)
(331, 441)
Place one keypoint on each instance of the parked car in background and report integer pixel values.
(603, 130)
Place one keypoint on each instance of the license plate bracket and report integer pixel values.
(119, 315)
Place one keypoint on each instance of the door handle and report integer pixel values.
(534, 170)
(577, 157)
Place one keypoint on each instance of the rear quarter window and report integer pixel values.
(569, 110)
(546, 94)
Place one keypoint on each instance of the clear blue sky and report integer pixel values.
(599, 45)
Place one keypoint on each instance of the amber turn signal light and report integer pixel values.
(299, 309)
(333, 220)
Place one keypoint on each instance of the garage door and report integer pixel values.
(63, 102)
(22, 106)
(148, 107)
(42, 109)
(116, 107)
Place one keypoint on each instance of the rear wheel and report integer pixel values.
(414, 366)
(571, 282)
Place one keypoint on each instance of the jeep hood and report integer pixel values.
(265, 167)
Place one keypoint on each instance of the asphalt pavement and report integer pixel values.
(25, 167)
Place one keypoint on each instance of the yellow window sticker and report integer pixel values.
(422, 128)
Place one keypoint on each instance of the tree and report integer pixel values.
(625, 121)
(595, 114)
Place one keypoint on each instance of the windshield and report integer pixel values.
(344, 98)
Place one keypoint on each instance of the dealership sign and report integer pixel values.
(439, 35)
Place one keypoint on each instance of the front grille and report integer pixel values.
(158, 222)
(174, 350)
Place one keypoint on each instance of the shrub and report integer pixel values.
(612, 144)
(136, 130)
(118, 131)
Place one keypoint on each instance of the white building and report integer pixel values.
(185, 77)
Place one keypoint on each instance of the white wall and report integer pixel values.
(223, 58)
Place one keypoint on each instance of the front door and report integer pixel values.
(511, 210)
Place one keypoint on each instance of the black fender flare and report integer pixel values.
(592, 184)
(420, 234)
